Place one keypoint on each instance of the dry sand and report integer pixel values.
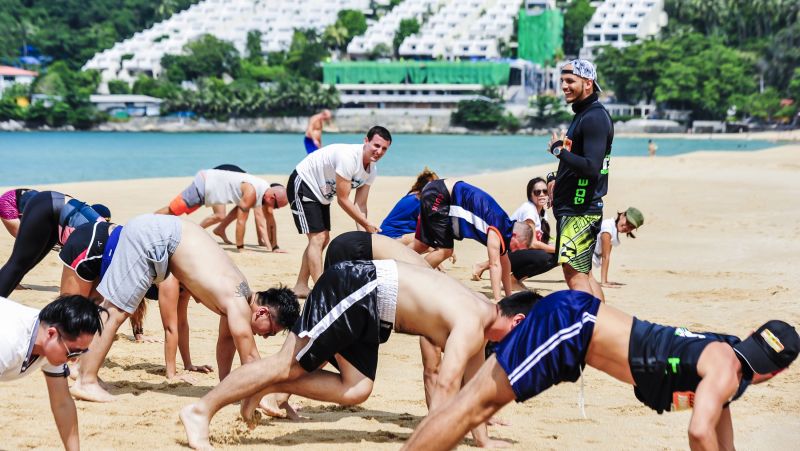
(717, 252)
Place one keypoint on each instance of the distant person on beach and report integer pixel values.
(651, 148)
(670, 369)
(217, 188)
(272, 228)
(352, 310)
(583, 152)
(31, 339)
(540, 256)
(451, 209)
(48, 218)
(147, 250)
(333, 171)
(83, 269)
(313, 138)
(401, 222)
(625, 222)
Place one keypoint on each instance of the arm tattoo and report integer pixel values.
(243, 290)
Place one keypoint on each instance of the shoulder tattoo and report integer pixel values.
(243, 290)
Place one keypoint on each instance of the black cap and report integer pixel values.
(771, 348)
(102, 210)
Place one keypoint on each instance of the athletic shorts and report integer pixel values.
(531, 262)
(8, 205)
(83, 251)
(550, 345)
(435, 227)
(191, 198)
(353, 245)
(309, 144)
(349, 312)
(576, 237)
(141, 258)
(310, 215)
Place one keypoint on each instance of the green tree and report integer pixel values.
(353, 21)
(577, 15)
(794, 85)
(380, 51)
(406, 28)
(305, 54)
(118, 87)
(203, 57)
(254, 53)
(300, 97)
(478, 114)
(336, 37)
(548, 111)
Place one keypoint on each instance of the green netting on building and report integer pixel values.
(540, 36)
(432, 72)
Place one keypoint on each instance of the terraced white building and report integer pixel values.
(622, 22)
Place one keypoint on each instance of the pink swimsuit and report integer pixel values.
(8, 205)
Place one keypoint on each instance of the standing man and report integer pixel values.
(217, 188)
(31, 339)
(581, 182)
(313, 138)
(333, 171)
(670, 368)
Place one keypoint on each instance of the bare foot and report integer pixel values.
(91, 392)
(21, 287)
(268, 404)
(196, 426)
(291, 411)
(497, 421)
(476, 272)
(301, 291)
(221, 233)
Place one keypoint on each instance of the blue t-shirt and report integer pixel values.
(475, 212)
(403, 217)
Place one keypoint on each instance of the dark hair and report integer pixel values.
(380, 131)
(273, 185)
(531, 183)
(73, 315)
(422, 179)
(520, 302)
(102, 210)
(284, 301)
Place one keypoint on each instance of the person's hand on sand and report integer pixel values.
(200, 368)
(142, 338)
(612, 284)
(371, 228)
(497, 421)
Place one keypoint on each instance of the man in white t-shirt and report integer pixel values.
(217, 188)
(332, 171)
(31, 339)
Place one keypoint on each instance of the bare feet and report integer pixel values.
(196, 426)
(220, 232)
(477, 272)
(91, 392)
(301, 291)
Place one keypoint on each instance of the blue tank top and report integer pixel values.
(474, 213)
(403, 217)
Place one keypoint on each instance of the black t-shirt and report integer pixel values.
(582, 178)
(83, 251)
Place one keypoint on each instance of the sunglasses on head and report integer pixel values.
(539, 192)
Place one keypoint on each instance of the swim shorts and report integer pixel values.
(353, 245)
(550, 345)
(8, 205)
(435, 227)
(576, 237)
(141, 258)
(530, 262)
(310, 215)
(191, 198)
(83, 251)
(309, 145)
(350, 311)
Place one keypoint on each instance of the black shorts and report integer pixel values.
(353, 245)
(310, 215)
(343, 315)
(531, 262)
(83, 251)
(230, 167)
(435, 227)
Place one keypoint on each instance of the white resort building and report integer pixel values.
(622, 22)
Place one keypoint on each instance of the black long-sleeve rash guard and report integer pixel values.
(582, 178)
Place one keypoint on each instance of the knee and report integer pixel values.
(357, 395)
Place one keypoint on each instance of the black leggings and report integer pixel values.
(38, 233)
(531, 262)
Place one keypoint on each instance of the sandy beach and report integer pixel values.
(716, 252)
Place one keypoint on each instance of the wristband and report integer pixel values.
(240, 246)
(555, 145)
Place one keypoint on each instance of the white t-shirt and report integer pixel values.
(529, 211)
(225, 187)
(607, 226)
(319, 169)
(18, 327)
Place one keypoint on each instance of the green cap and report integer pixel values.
(634, 217)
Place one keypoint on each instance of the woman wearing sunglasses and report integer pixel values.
(31, 339)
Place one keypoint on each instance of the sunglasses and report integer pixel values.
(70, 353)
(540, 192)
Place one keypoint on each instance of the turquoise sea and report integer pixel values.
(29, 158)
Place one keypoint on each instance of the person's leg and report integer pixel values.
(219, 230)
(597, 290)
(217, 215)
(301, 288)
(436, 257)
(431, 358)
(87, 386)
(312, 262)
(576, 280)
(485, 394)
(38, 233)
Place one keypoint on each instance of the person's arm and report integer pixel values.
(605, 249)
(12, 225)
(225, 349)
(362, 194)
(247, 202)
(725, 431)
(272, 228)
(461, 345)
(168, 307)
(72, 284)
(64, 412)
(496, 275)
(718, 368)
(595, 130)
(261, 226)
(238, 316)
(343, 188)
(480, 433)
